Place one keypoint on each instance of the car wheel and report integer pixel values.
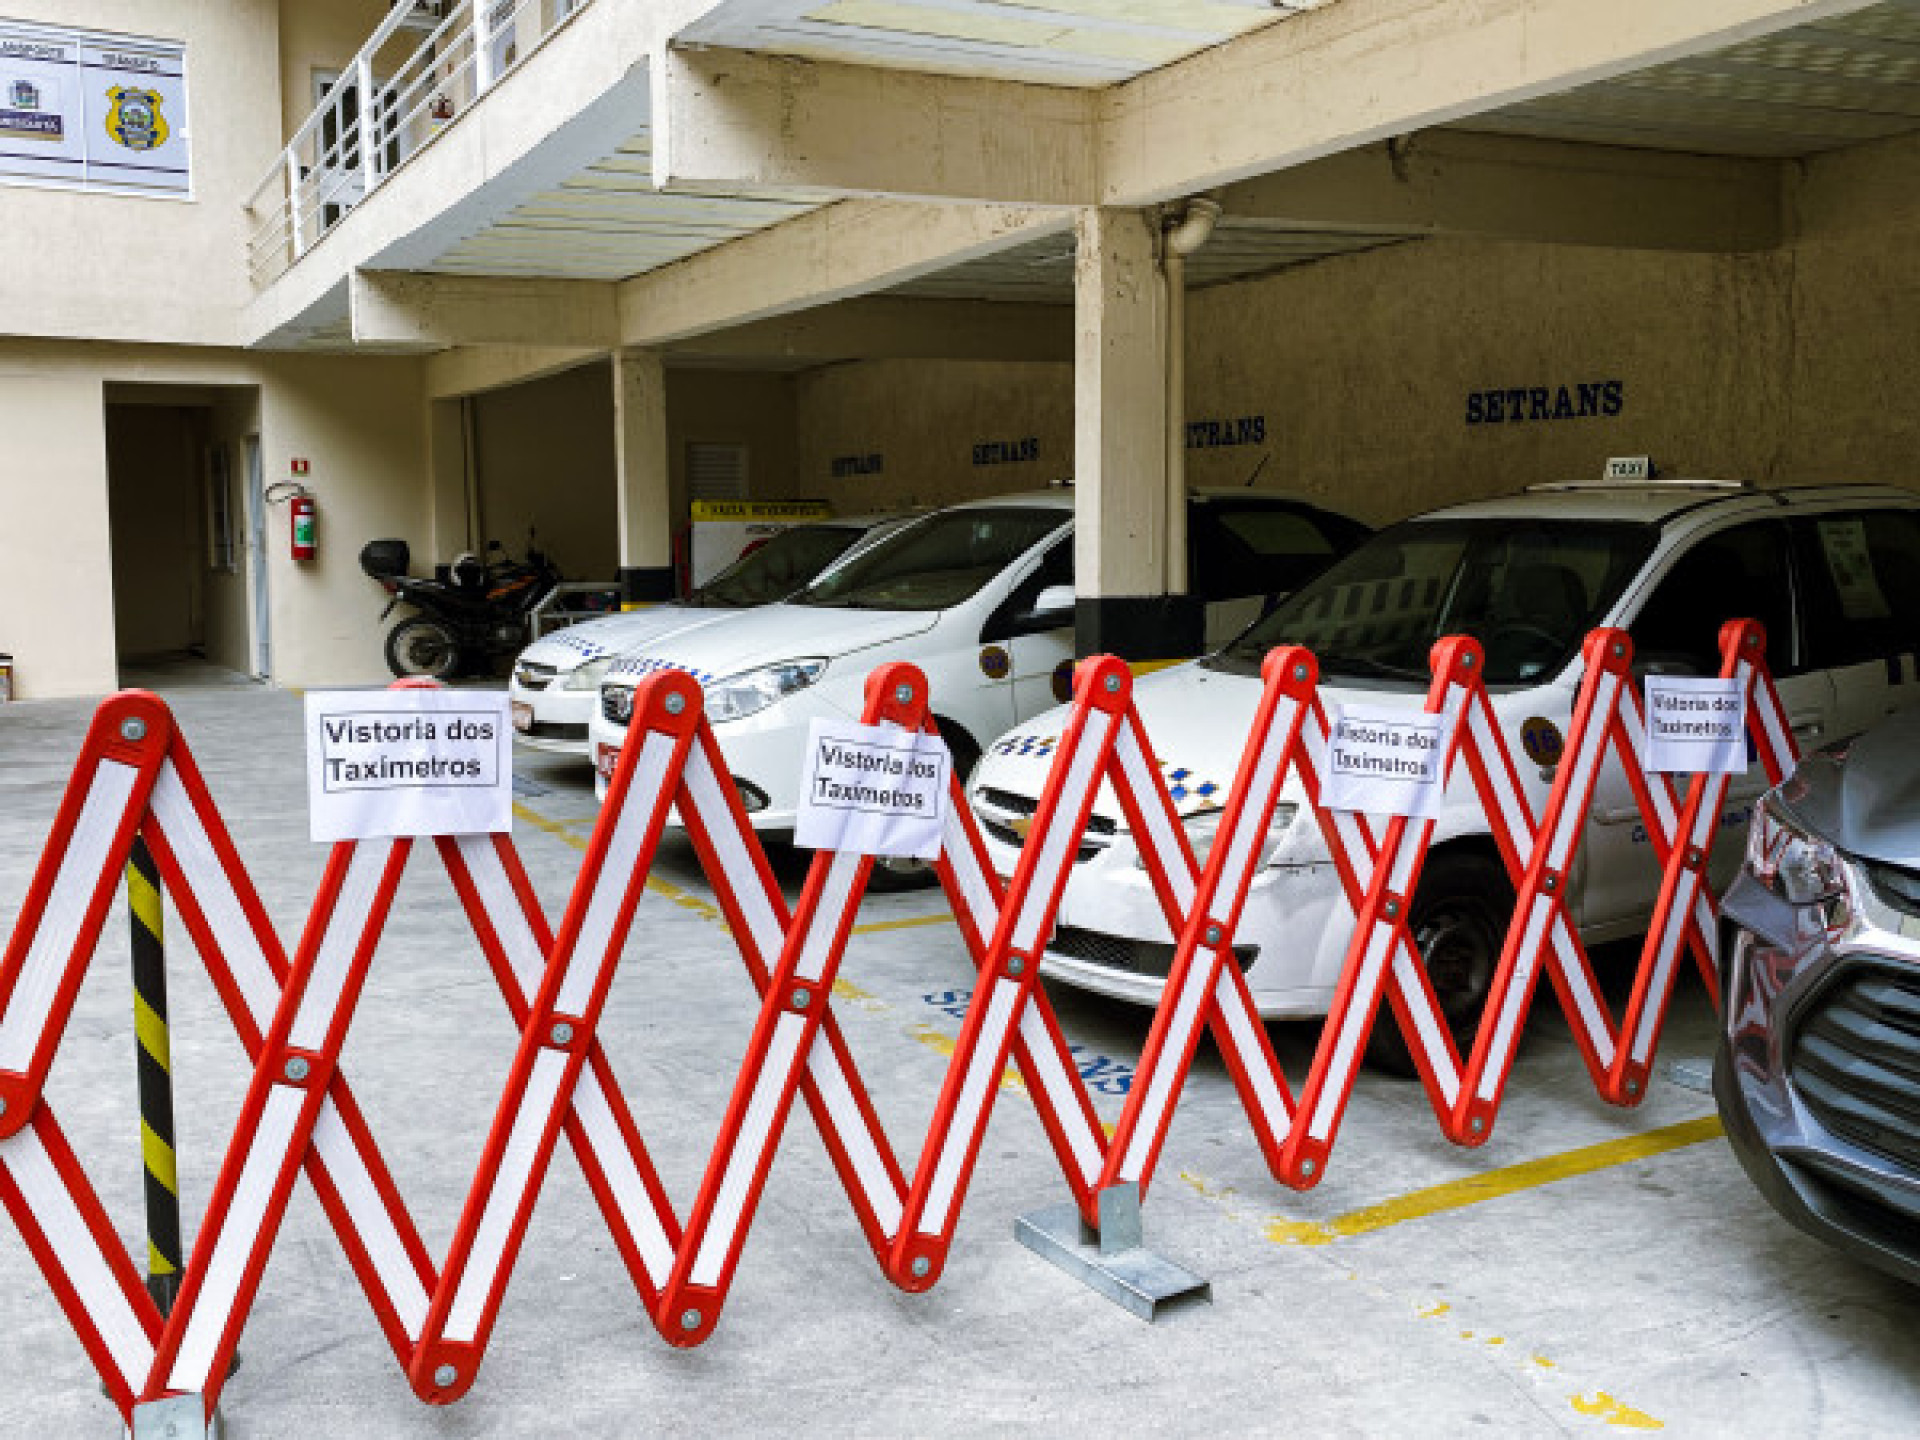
(1459, 922)
(422, 647)
(891, 875)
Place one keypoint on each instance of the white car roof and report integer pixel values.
(1654, 502)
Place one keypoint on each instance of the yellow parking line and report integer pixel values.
(685, 899)
(913, 922)
(1474, 1189)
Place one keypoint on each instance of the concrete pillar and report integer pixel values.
(643, 491)
(1119, 444)
(450, 480)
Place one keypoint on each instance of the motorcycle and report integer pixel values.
(470, 616)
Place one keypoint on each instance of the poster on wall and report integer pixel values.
(94, 111)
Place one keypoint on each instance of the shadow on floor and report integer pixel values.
(163, 673)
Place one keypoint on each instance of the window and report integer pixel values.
(940, 561)
(1528, 589)
(220, 546)
(1861, 577)
(1737, 574)
(1241, 550)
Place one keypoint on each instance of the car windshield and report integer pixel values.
(775, 569)
(1528, 590)
(936, 563)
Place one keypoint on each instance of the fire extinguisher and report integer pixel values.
(302, 511)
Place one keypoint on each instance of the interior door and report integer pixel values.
(257, 558)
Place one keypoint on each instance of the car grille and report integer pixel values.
(1151, 958)
(616, 703)
(1856, 1061)
(1001, 812)
(534, 676)
(553, 730)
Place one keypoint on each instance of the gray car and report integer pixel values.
(1818, 1073)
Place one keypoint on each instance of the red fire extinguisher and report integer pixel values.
(302, 511)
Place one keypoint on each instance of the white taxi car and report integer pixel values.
(555, 684)
(980, 596)
(1833, 573)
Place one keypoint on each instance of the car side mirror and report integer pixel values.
(1052, 608)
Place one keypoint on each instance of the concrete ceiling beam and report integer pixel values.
(441, 311)
(1362, 71)
(728, 120)
(830, 254)
(474, 369)
(886, 327)
(1510, 188)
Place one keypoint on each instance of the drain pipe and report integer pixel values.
(1182, 237)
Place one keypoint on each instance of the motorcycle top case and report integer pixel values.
(383, 559)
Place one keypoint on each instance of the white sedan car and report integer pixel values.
(979, 596)
(1833, 573)
(556, 681)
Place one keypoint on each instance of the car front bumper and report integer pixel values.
(1814, 1069)
(552, 718)
(764, 753)
(1112, 938)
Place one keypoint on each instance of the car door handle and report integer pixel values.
(1809, 725)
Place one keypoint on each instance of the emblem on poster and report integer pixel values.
(135, 120)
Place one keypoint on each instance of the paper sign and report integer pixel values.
(1850, 562)
(408, 762)
(873, 790)
(1695, 726)
(1385, 761)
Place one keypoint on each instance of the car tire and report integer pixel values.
(1459, 922)
(891, 877)
(424, 648)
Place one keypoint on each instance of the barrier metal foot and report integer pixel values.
(1691, 1073)
(175, 1417)
(1112, 1260)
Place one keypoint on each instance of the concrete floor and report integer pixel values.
(1536, 1287)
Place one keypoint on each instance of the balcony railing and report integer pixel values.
(419, 72)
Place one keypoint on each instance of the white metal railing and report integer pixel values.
(389, 102)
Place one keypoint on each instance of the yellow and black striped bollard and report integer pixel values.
(156, 1078)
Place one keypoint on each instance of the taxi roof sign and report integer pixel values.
(1638, 470)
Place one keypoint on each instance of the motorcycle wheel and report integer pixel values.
(423, 647)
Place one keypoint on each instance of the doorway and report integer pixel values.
(187, 531)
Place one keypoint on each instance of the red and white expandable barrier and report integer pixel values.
(135, 774)
(1290, 732)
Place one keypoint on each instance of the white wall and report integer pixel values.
(360, 423)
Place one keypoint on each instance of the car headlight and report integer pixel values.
(737, 696)
(589, 675)
(1201, 829)
(1791, 860)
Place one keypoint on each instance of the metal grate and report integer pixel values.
(1150, 958)
(716, 472)
(1001, 813)
(1856, 1060)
